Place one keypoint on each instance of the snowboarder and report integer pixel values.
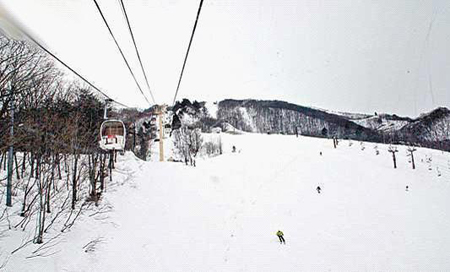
(318, 189)
(280, 236)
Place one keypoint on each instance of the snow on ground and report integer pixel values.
(228, 128)
(223, 214)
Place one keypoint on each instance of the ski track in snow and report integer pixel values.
(223, 214)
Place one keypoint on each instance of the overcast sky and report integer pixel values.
(346, 55)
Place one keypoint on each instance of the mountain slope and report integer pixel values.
(286, 118)
(384, 123)
(430, 127)
(266, 116)
(223, 214)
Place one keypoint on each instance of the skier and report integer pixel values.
(280, 236)
(407, 188)
(320, 153)
(234, 149)
(318, 189)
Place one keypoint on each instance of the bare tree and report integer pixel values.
(56, 126)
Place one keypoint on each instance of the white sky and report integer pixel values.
(347, 55)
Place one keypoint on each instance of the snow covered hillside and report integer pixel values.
(223, 214)
(382, 122)
(432, 126)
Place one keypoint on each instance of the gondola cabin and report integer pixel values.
(112, 135)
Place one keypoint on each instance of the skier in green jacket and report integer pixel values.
(280, 236)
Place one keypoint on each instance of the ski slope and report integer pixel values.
(223, 214)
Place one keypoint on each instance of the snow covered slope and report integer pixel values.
(383, 122)
(279, 117)
(223, 214)
(432, 126)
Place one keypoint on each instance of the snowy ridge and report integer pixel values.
(348, 115)
(381, 124)
(279, 117)
(265, 116)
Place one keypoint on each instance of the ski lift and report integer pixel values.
(112, 135)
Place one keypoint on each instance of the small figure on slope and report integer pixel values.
(407, 188)
(280, 236)
(318, 189)
(234, 149)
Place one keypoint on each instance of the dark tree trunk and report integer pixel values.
(58, 163)
(52, 177)
(38, 166)
(111, 164)
(4, 161)
(102, 171)
(74, 182)
(17, 166)
(32, 165)
(92, 168)
(24, 162)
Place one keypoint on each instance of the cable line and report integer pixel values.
(187, 52)
(137, 51)
(120, 50)
(68, 67)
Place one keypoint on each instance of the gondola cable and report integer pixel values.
(68, 67)
(187, 52)
(120, 50)
(136, 48)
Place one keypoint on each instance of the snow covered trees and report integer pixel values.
(213, 146)
(188, 143)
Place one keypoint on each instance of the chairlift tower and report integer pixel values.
(160, 112)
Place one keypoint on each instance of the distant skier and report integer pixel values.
(234, 149)
(318, 189)
(320, 153)
(407, 188)
(280, 236)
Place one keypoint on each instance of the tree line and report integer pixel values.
(58, 168)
